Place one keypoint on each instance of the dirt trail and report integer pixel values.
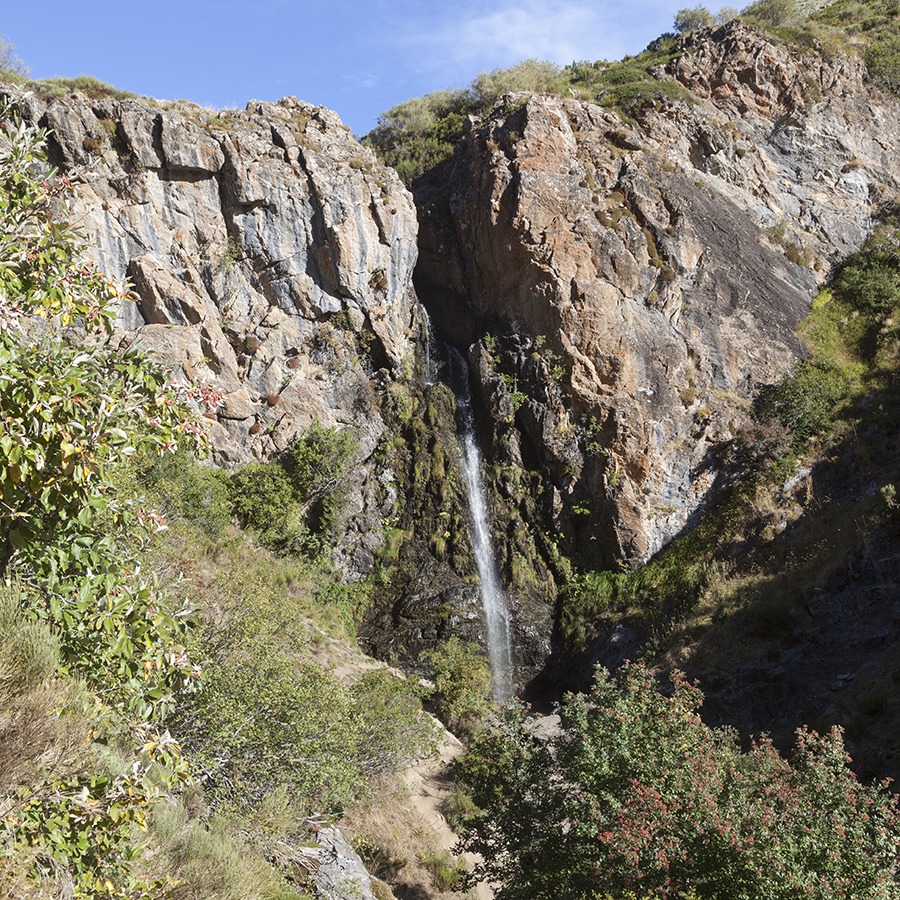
(428, 788)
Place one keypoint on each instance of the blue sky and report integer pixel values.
(359, 58)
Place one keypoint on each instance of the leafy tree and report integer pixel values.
(71, 413)
(636, 793)
(690, 19)
(9, 59)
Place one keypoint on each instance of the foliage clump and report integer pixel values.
(270, 720)
(462, 683)
(416, 135)
(692, 18)
(294, 503)
(635, 793)
(71, 414)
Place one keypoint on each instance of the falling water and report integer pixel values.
(432, 367)
(496, 613)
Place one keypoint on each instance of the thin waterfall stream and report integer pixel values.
(493, 598)
(431, 365)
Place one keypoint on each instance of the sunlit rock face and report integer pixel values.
(660, 267)
(271, 258)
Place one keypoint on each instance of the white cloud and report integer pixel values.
(523, 30)
(470, 37)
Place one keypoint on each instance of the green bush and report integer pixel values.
(265, 721)
(193, 491)
(462, 683)
(263, 498)
(805, 402)
(533, 76)
(635, 793)
(294, 503)
(447, 872)
(772, 13)
(883, 60)
(870, 278)
(28, 651)
(208, 860)
(318, 463)
(690, 19)
(86, 84)
(392, 730)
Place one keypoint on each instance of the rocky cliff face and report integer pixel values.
(641, 280)
(272, 259)
(622, 288)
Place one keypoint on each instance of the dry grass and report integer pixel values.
(398, 844)
(211, 860)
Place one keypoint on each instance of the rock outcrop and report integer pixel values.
(271, 258)
(622, 288)
(642, 280)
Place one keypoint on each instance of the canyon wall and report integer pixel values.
(622, 289)
(639, 281)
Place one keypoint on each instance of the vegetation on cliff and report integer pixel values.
(147, 719)
(416, 135)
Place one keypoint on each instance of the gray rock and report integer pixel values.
(665, 264)
(271, 258)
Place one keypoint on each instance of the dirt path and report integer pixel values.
(428, 788)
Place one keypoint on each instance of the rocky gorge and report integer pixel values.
(622, 288)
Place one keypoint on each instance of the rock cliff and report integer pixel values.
(623, 288)
(271, 258)
(640, 280)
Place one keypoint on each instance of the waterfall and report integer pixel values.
(493, 599)
(432, 366)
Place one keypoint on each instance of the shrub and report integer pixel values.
(267, 721)
(870, 278)
(208, 859)
(86, 84)
(318, 463)
(534, 76)
(772, 13)
(10, 63)
(295, 503)
(462, 682)
(447, 873)
(259, 494)
(264, 721)
(693, 18)
(393, 731)
(636, 793)
(883, 61)
(806, 401)
(263, 498)
(195, 492)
